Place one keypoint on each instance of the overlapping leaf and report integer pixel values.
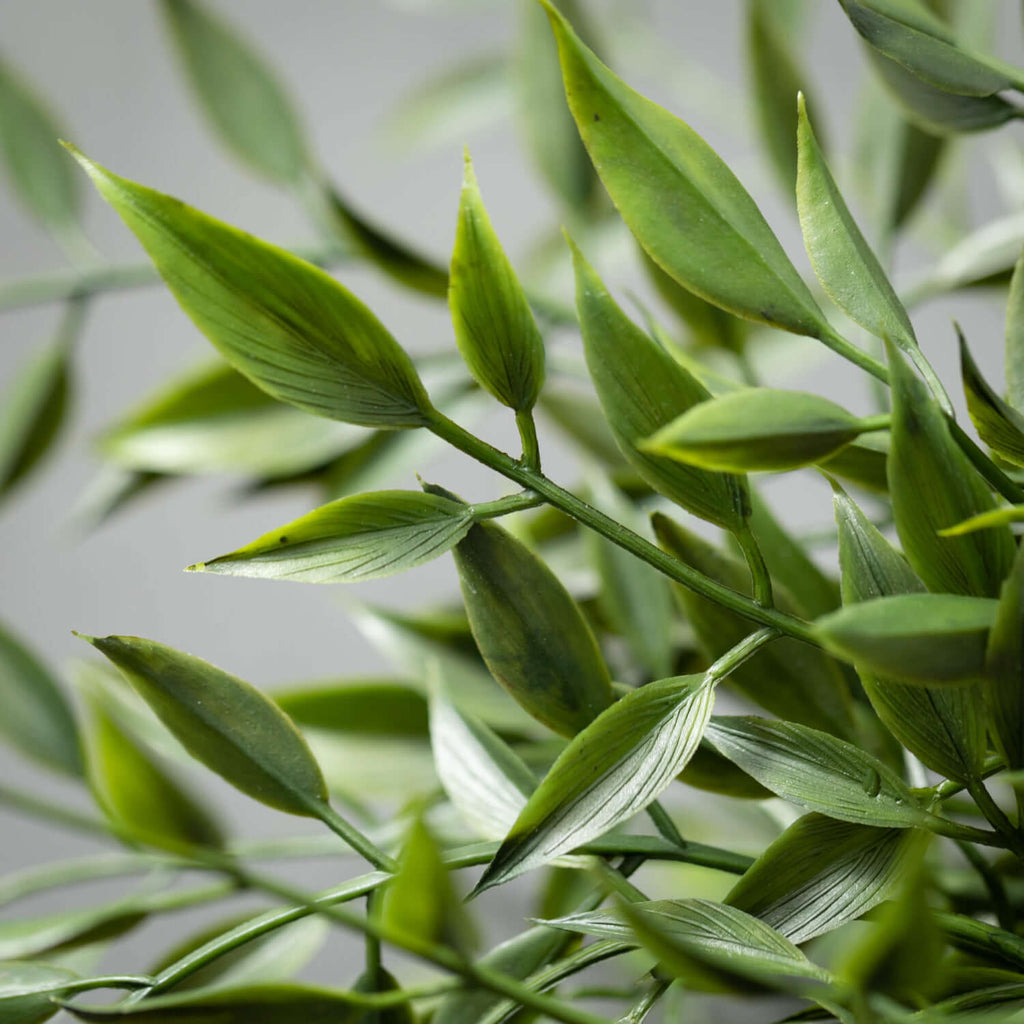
(27, 988)
(363, 706)
(1005, 668)
(998, 424)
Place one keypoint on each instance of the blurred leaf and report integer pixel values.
(223, 722)
(1004, 659)
(238, 92)
(37, 718)
(711, 238)
(821, 873)
(371, 707)
(709, 771)
(287, 325)
(1014, 351)
(486, 781)
(609, 772)
(642, 388)
(578, 415)
(816, 771)
(862, 462)
(109, 492)
(933, 486)
(382, 981)
(529, 630)
(494, 325)
(40, 173)
(756, 429)
(139, 797)
(359, 538)
(942, 726)
(999, 425)
(26, 988)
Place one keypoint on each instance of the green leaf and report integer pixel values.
(530, 632)
(40, 173)
(359, 538)
(915, 638)
(788, 678)
(223, 722)
(933, 486)
(609, 772)
(370, 707)
(816, 771)
(578, 415)
(1014, 351)
(37, 718)
(494, 325)
(942, 726)
(684, 205)
(756, 429)
(215, 420)
(986, 521)
(287, 325)
(138, 796)
(486, 781)
(253, 1004)
(641, 389)
(863, 462)
(1004, 659)
(382, 980)
(420, 901)
(709, 771)
(821, 873)
(238, 93)
(999, 425)
(26, 989)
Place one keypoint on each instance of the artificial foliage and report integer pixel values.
(635, 650)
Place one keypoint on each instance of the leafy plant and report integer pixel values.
(869, 735)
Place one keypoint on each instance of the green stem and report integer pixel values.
(855, 355)
(739, 653)
(645, 1003)
(664, 824)
(998, 480)
(883, 421)
(993, 883)
(997, 819)
(759, 573)
(503, 506)
(528, 436)
(37, 807)
(579, 510)
(967, 833)
(108, 981)
(974, 936)
(372, 943)
(361, 844)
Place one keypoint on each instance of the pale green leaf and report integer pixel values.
(361, 706)
(26, 989)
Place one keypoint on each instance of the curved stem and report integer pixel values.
(998, 820)
(347, 831)
(992, 882)
(759, 574)
(528, 436)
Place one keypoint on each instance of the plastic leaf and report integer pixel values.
(915, 638)
(756, 429)
(942, 726)
(1005, 664)
(530, 632)
(999, 425)
(370, 707)
(612, 770)
(642, 388)
(816, 771)
(287, 325)
(138, 796)
(862, 462)
(37, 718)
(934, 486)
(359, 538)
(821, 873)
(223, 722)
(486, 781)
(41, 174)
(238, 92)
(26, 989)
(684, 205)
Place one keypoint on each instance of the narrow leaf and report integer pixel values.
(1005, 668)
(494, 325)
(863, 462)
(238, 92)
(37, 718)
(609, 772)
(999, 425)
(756, 429)
(223, 722)
(288, 326)
(26, 989)
(359, 538)
(641, 389)
(915, 638)
(684, 205)
(821, 873)
(816, 771)
(370, 707)
(1014, 350)
(530, 632)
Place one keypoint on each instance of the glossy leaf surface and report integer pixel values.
(612, 770)
(223, 722)
(359, 538)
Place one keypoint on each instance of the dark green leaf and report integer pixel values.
(915, 638)
(371, 707)
(816, 771)
(609, 772)
(821, 873)
(37, 718)
(288, 326)
(223, 722)
(238, 92)
(942, 726)
(709, 771)
(933, 486)
(138, 796)
(756, 429)
(1005, 665)
(26, 988)
(863, 462)
(41, 174)
(684, 205)
(382, 981)
(1015, 337)
(359, 538)
(494, 325)
(529, 630)
(999, 425)
(642, 388)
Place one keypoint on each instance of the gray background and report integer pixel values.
(107, 69)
